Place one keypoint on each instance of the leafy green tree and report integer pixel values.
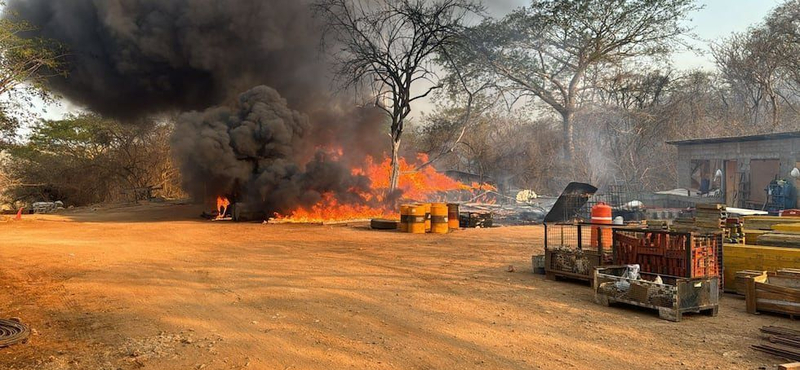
(87, 158)
(26, 63)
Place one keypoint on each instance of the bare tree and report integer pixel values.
(388, 46)
(762, 64)
(784, 29)
(749, 62)
(549, 50)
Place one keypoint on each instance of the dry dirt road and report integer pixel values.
(153, 287)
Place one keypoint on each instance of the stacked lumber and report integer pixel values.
(787, 228)
(740, 257)
(772, 231)
(751, 236)
(783, 235)
(780, 240)
(789, 272)
(683, 225)
(766, 222)
(710, 218)
(782, 342)
(657, 225)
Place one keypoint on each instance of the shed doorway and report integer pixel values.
(731, 182)
(762, 172)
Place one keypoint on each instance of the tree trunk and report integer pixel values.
(568, 130)
(774, 103)
(395, 176)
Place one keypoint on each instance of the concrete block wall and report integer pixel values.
(786, 150)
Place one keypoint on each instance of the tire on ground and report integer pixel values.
(383, 224)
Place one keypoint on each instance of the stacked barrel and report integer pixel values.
(436, 218)
(416, 219)
(439, 218)
(452, 216)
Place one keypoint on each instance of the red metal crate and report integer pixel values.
(668, 253)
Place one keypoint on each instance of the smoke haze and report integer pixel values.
(137, 58)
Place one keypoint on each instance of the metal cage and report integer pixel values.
(574, 250)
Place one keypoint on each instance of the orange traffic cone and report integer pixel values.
(19, 214)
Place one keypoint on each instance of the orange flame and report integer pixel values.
(425, 184)
(222, 206)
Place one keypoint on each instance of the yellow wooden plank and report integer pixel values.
(793, 227)
(772, 218)
(737, 257)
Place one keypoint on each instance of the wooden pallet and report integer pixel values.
(773, 292)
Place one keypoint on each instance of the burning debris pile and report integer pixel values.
(377, 201)
(258, 153)
(278, 146)
(254, 153)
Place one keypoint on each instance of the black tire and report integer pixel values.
(383, 224)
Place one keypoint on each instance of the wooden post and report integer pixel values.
(750, 292)
(689, 263)
(545, 237)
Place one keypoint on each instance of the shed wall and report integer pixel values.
(787, 151)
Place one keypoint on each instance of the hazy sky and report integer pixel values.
(717, 20)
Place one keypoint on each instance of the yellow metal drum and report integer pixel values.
(416, 219)
(404, 215)
(452, 216)
(439, 223)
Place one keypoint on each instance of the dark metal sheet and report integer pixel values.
(572, 199)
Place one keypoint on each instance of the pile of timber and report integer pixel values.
(766, 222)
(683, 225)
(751, 236)
(782, 342)
(772, 231)
(741, 257)
(783, 235)
(780, 240)
(710, 218)
(661, 225)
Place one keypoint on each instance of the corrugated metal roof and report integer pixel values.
(719, 140)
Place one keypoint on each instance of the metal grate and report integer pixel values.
(578, 236)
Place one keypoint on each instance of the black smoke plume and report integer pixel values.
(255, 146)
(130, 59)
(134, 57)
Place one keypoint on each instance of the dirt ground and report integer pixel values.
(154, 287)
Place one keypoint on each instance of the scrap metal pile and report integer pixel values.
(571, 260)
(635, 287)
(781, 342)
